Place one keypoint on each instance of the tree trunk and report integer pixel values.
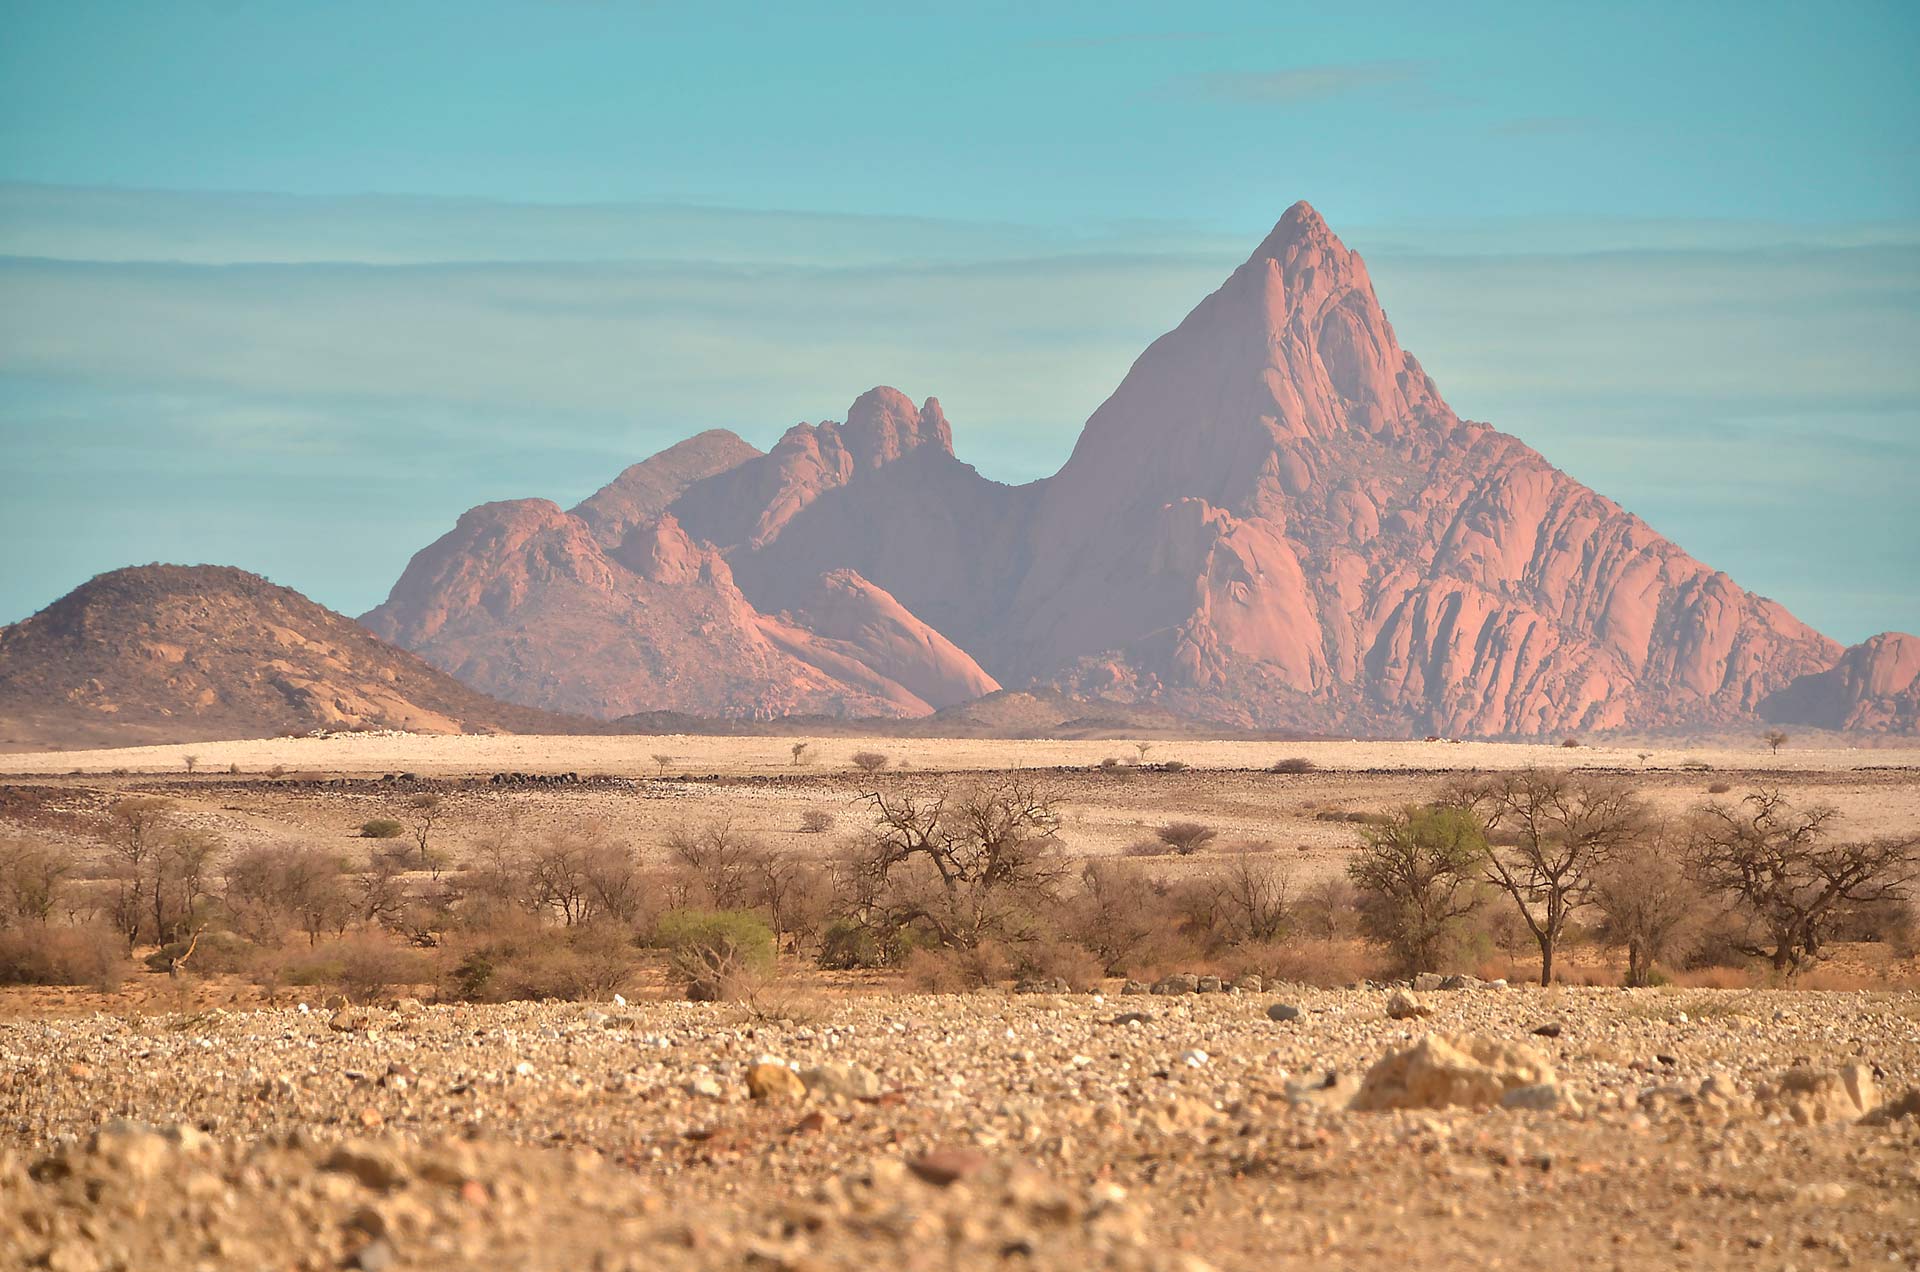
(1546, 958)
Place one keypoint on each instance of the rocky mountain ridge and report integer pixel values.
(1275, 521)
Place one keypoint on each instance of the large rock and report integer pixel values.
(1436, 1072)
(1808, 1095)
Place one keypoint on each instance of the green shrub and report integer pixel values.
(715, 952)
(382, 828)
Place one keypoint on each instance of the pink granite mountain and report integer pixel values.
(1275, 521)
(1874, 688)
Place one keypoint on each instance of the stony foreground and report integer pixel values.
(1638, 1129)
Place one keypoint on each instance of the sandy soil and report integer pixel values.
(634, 756)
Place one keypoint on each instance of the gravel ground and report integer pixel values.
(967, 1131)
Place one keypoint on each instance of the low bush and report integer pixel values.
(54, 954)
(382, 828)
(1058, 960)
(1294, 764)
(215, 953)
(1186, 838)
(585, 962)
(715, 953)
(1719, 788)
(816, 821)
(957, 971)
(1330, 963)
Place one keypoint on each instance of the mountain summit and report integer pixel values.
(1275, 520)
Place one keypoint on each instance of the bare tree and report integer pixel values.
(1326, 910)
(869, 762)
(192, 763)
(558, 874)
(1116, 914)
(1550, 831)
(1781, 865)
(794, 893)
(1419, 878)
(615, 884)
(382, 887)
(964, 866)
(1650, 902)
(424, 812)
(663, 760)
(31, 878)
(136, 827)
(1186, 838)
(1254, 898)
(719, 858)
(1775, 739)
(1143, 748)
(799, 750)
(182, 879)
(268, 889)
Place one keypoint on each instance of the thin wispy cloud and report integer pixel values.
(1122, 39)
(1542, 126)
(1292, 84)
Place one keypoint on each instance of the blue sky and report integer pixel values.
(291, 285)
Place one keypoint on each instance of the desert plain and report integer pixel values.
(842, 1119)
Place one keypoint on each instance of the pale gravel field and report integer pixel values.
(433, 755)
(1205, 1137)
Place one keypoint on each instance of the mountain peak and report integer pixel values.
(1299, 227)
(883, 424)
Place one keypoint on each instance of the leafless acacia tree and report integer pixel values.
(718, 858)
(31, 878)
(424, 812)
(965, 866)
(1550, 831)
(1649, 900)
(1253, 898)
(1786, 871)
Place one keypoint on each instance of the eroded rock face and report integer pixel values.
(874, 628)
(1875, 687)
(522, 599)
(1275, 520)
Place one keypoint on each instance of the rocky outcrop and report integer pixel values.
(1275, 521)
(522, 600)
(647, 489)
(190, 653)
(1874, 687)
